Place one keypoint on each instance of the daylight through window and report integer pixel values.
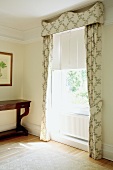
(69, 78)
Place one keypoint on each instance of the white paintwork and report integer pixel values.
(26, 14)
(75, 125)
(11, 33)
(108, 152)
(33, 129)
(83, 145)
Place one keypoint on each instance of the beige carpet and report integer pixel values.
(43, 156)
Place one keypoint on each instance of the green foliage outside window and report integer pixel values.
(77, 84)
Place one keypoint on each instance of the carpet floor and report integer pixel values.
(43, 156)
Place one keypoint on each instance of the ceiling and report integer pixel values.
(24, 15)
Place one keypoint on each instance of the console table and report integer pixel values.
(15, 104)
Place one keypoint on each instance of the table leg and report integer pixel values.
(19, 127)
(18, 120)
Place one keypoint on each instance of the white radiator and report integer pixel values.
(75, 125)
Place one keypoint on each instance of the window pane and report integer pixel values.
(69, 91)
(76, 86)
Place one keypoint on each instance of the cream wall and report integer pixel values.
(32, 85)
(107, 91)
(26, 83)
(8, 118)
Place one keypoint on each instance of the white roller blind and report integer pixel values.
(69, 50)
(56, 52)
(65, 50)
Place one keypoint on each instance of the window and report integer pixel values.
(69, 79)
(69, 91)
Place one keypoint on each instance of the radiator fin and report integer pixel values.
(75, 125)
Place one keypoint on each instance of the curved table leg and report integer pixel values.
(19, 127)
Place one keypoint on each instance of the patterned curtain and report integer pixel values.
(47, 53)
(92, 20)
(71, 20)
(93, 40)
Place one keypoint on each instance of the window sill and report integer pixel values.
(77, 111)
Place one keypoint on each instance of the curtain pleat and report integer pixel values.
(47, 54)
(93, 39)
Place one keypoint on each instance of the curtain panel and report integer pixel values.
(93, 38)
(47, 57)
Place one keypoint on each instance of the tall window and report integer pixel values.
(69, 80)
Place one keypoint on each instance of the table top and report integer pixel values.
(13, 101)
(14, 104)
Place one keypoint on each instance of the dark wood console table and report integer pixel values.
(15, 104)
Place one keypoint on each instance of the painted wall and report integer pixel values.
(32, 85)
(107, 84)
(26, 83)
(107, 81)
(8, 118)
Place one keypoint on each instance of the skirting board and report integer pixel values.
(70, 141)
(32, 128)
(7, 127)
(107, 149)
(35, 130)
(108, 152)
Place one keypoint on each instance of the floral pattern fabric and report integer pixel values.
(92, 20)
(47, 54)
(93, 39)
(71, 20)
